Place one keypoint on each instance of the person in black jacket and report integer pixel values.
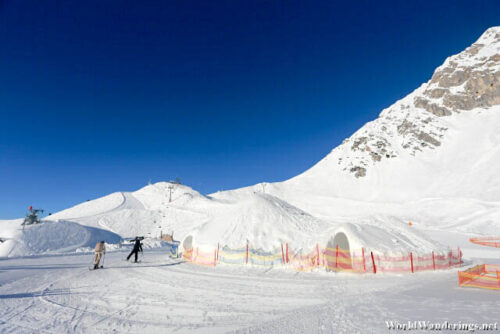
(137, 248)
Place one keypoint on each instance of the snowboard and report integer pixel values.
(132, 261)
(92, 268)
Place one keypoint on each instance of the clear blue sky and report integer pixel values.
(102, 96)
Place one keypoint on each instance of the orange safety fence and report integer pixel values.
(303, 262)
(331, 259)
(486, 241)
(417, 262)
(203, 258)
(337, 259)
(486, 276)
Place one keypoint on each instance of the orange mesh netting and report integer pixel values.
(486, 241)
(486, 276)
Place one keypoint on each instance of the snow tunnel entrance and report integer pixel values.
(188, 243)
(342, 260)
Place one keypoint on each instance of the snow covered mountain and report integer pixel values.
(441, 140)
(431, 158)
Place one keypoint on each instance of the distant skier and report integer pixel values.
(100, 250)
(137, 248)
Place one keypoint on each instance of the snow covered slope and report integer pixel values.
(144, 212)
(229, 218)
(432, 157)
(234, 218)
(442, 140)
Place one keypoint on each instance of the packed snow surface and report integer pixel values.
(59, 294)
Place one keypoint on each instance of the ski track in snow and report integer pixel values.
(59, 294)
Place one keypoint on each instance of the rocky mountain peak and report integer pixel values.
(466, 81)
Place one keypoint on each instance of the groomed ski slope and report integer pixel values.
(50, 294)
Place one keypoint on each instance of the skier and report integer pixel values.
(137, 248)
(99, 250)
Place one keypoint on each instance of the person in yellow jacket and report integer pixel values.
(100, 250)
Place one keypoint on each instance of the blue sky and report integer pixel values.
(102, 96)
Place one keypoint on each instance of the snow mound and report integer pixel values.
(264, 221)
(49, 238)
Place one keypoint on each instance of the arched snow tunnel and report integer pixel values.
(188, 243)
(343, 257)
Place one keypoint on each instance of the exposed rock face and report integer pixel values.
(468, 80)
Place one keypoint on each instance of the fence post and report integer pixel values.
(459, 256)
(287, 258)
(247, 254)
(364, 262)
(217, 251)
(215, 257)
(449, 258)
(317, 255)
(411, 259)
(374, 267)
(336, 256)
(282, 254)
(433, 261)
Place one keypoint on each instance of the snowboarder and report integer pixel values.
(137, 248)
(99, 250)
